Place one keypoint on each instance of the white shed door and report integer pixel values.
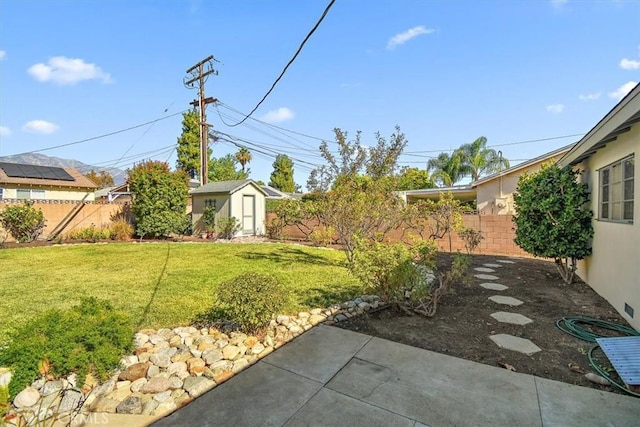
(248, 215)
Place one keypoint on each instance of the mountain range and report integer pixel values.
(38, 159)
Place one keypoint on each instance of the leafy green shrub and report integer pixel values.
(274, 229)
(251, 299)
(228, 227)
(209, 219)
(393, 272)
(322, 237)
(121, 230)
(550, 218)
(90, 234)
(24, 223)
(88, 338)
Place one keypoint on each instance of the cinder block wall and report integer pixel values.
(498, 232)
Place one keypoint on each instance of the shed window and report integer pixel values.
(617, 191)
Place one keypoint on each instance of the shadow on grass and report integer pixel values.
(145, 312)
(290, 255)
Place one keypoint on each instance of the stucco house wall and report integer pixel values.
(613, 269)
(10, 191)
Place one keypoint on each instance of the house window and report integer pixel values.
(210, 202)
(616, 191)
(30, 194)
(1, 193)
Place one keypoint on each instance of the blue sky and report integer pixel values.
(446, 72)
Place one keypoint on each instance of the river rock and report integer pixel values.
(27, 397)
(195, 386)
(156, 384)
(134, 372)
(131, 405)
(230, 352)
(51, 387)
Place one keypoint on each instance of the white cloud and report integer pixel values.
(42, 127)
(622, 90)
(629, 64)
(402, 38)
(67, 71)
(3, 55)
(555, 108)
(5, 131)
(590, 96)
(280, 115)
(558, 3)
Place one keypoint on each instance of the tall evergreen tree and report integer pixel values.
(282, 175)
(189, 144)
(225, 169)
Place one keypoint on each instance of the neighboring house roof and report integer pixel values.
(273, 193)
(43, 176)
(523, 165)
(120, 189)
(226, 187)
(616, 122)
(461, 192)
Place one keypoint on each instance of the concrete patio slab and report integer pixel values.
(500, 299)
(433, 388)
(512, 318)
(566, 405)
(320, 353)
(494, 286)
(490, 265)
(484, 270)
(330, 408)
(521, 345)
(265, 395)
(505, 261)
(486, 277)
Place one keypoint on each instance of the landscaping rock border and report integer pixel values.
(171, 367)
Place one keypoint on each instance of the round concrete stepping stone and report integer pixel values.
(494, 286)
(484, 270)
(514, 302)
(512, 318)
(492, 265)
(486, 277)
(506, 261)
(521, 345)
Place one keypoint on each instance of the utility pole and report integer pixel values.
(197, 78)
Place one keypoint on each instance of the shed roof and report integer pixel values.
(78, 180)
(226, 187)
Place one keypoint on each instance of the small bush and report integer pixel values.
(24, 223)
(228, 227)
(121, 230)
(209, 219)
(251, 299)
(471, 239)
(274, 229)
(393, 272)
(322, 237)
(88, 338)
(90, 234)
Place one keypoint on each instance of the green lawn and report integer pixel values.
(160, 284)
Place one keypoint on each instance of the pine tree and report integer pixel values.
(189, 144)
(282, 175)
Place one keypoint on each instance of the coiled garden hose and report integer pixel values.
(571, 326)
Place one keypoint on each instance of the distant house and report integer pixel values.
(242, 199)
(110, 194)
(275, 194)
(33, 182)
(607, 156)
(493, 194)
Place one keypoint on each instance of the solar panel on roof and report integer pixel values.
(32, 171)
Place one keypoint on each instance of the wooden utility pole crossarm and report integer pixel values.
(198, 76)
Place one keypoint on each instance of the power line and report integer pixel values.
(93, 138)
(498, 145)
(284, 70)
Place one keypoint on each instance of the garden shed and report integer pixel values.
(242, 199)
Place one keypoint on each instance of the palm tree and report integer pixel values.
(243, 156)
(478, 160)
(447, 168)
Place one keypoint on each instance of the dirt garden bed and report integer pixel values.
(463, 324)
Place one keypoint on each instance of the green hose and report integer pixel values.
(571, 326)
